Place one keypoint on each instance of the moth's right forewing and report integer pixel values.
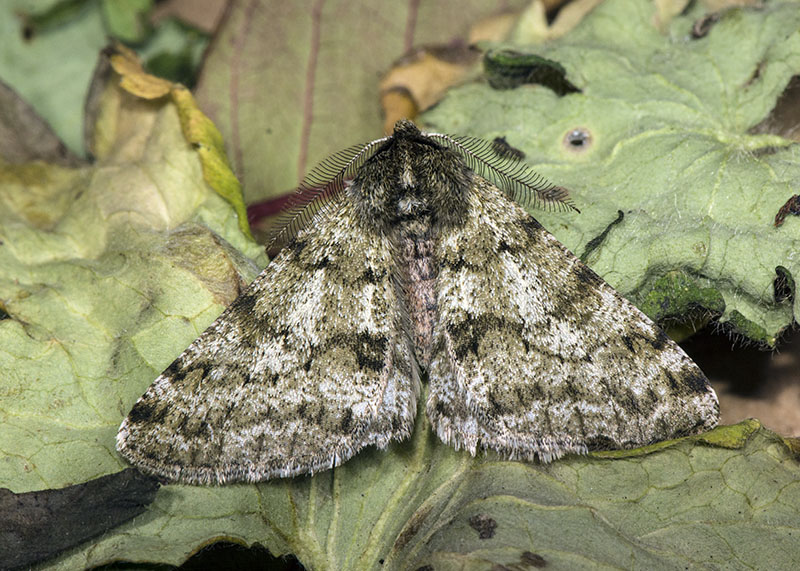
(535, 356)
(309, 365)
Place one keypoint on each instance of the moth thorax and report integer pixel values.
(416, 252)
(407, 179)
(409, 205)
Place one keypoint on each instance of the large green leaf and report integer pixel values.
(107, 271)
(674, 146)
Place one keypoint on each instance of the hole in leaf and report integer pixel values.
(578, 139)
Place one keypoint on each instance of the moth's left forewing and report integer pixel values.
(308, 366)
(534, 355)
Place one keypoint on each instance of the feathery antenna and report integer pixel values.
(318, 191)
(516, 178)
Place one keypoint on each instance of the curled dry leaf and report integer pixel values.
(421, 78)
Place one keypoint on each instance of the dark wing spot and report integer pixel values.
(147, 411)
(531, 226)
(370, 351)
(627, 400)
(600, 442)
(372, 277)
(297, 246)
(195, 427)
(347, 421)
(660, 341)
(178, 370)
(586, 275)
(695, 380)
(628, 342)
(247, 378)
(245, 303)
(468, 334)
(321, 263)
(673, 384)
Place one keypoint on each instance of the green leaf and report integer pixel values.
(109, 271)
(680, 503)
(50, 47)
(175, 52)
(126, 20)
(32, 58)
(666, 130)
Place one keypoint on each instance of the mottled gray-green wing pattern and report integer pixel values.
(535, 356)
(310, 364)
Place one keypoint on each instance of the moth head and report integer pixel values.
(411, 174)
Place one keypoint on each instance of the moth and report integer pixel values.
(406, 265)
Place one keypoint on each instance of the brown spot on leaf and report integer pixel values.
(702, 26)
(411, 528)
(792, 206)
(502, 148)
(484, 525)
(533, 560)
